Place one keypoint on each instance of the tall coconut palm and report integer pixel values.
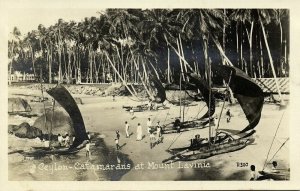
(203, 24)
(264, 17)
(246, 18)
(12, 45)
(280, 15)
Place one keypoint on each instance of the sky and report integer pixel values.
(29, 19)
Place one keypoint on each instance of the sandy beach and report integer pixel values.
(104, 116)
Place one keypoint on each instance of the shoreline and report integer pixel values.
(105, 116)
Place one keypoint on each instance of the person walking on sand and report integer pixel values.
(228, 114)
(152, 139)
(127, 129)
(139, 132)
(117, 143)
(118, 134)
(158, 132)
(149, 124)
(87, 148)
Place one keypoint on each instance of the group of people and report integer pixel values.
(256, 176)
(64, 141)
(154, 133)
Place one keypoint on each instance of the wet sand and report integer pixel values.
(104, 116)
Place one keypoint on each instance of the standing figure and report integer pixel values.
(158, 132)
(254, 174)
(177, 125)
(228, 114)
(118, 134)
(149, 124)
(274, 167)
(149, 105)
(89, 135)
(127, 129)
(60, 140)
(87, 148)
(117, 143)
(67, 141)
(152, 140)
(139, 132)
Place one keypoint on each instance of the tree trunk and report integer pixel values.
(237, 43)
(178, 54)
(224, 35)
(271, 59)
(182, 53)
(180, 62)
(205, 48)
(168, 71)
(249, 35)
(222, 52)
(124, 82)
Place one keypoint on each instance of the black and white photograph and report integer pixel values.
(149, 94)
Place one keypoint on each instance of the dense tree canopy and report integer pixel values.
(128, 45)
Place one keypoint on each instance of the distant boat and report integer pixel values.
(159, 94)
(250, 97)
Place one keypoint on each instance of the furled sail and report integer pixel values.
(64, 98)
(248, 93)
(158, 89)
(204, 89)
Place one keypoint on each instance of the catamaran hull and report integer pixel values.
(187, 126)
(204, 153)
(46, 151)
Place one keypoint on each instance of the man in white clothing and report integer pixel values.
(127, 129)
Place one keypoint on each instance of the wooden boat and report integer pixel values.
(185, 126)
(40, 152)
(202, 122)
(250, 97)
(280, 174)
(64, 98)
(158, 94)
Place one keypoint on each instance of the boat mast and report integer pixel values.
(180, 95)
(226, 96)
(43, 100)
(209, 100)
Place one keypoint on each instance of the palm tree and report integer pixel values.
(280, 15)
(12, 45)
(264, 17)
(204, 24)
(245, 17)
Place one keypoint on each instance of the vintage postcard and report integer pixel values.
(144, 92)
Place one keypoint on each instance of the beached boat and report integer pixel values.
(250, 97)
(202, 122)
(159, 96)
(64, 98)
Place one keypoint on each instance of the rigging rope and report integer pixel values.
(199, 111)
(278, 149)
(273, 141)
(174, 139)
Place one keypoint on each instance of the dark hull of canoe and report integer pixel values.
(185, 126)
(40, 152)
(206, 152)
